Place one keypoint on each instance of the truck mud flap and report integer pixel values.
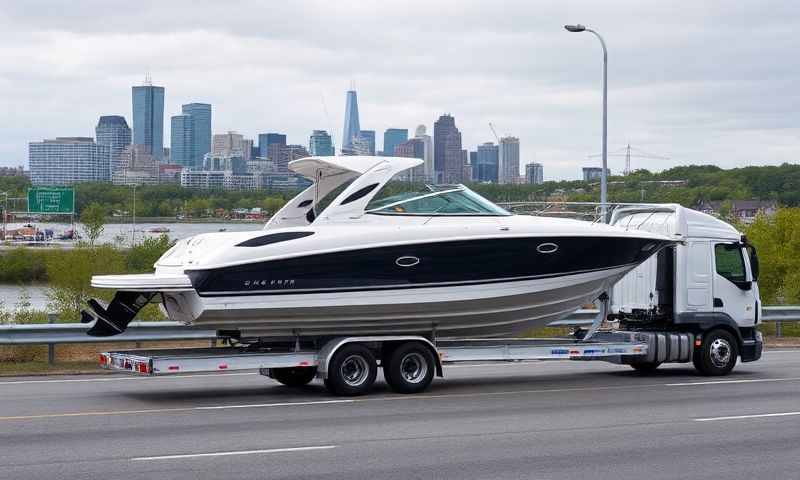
(113, 319)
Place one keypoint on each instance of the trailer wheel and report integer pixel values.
(294, 376)
(645, 367)
(717, 355)
(351, 371)
(409, 368)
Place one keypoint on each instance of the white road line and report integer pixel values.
(723, 382)
(241, 452)
(742, 417)
(121, 379)
(261, 405)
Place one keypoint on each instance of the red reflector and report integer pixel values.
(102, 359)
(223, 366)
(173, 367)
(303, 363)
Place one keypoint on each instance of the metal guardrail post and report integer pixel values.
(51, 347)
(778, 332)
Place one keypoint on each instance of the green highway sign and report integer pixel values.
(51, 200)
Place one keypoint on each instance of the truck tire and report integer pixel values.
(717, 355)
(294, 376)
(351, 371)
(409, 368)
(645, 367)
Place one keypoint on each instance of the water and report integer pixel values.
(114, 233)
(121, 233)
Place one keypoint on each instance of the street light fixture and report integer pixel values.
(603, 175)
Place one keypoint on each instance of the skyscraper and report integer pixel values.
(320, 144)
(352, 127)
(267, 139)
(393, 137)
(367, 141)
(228, 143)
(148, 118)
(113, 131)
(413, 148)
(181, 141)
(69, 160)
(486, 166)
(421, 134)
(534, 173)
(201, 130)
(448, 161)
(509, 160)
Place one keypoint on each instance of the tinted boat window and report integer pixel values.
(455, 200)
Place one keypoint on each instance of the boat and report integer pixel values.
(367, 250)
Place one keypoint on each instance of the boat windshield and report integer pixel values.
(444, 200)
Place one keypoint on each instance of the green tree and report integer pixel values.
(777, 239)
(93, 218)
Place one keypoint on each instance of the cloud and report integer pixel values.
(700, 82)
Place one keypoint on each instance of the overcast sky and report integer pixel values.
(700, 82)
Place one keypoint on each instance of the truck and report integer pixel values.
(696, 301)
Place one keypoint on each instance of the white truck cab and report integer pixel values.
(705, 283)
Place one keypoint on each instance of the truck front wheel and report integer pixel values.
(294, 376)
(717, 354)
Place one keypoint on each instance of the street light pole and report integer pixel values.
(133, 231)
(5, 214)
(604, 174)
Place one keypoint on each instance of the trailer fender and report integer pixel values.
(332, 346)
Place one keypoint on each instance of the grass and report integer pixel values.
(41, 367)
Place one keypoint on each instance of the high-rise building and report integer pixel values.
(182, 141)
(113, 130)
(413, 148)
(534, 173)
(281, 155)
(592, 174)
(509, 160)
(148, 118)
(352, 127)
(466, 168)
(69, 160)
(247, 149)
(320, 144)
(201, 130)
(139, 167)
(367, 142)
(267, 139)
(448, 161)
(421, 134)
(487, 162)
(393, 137)
(228, 143)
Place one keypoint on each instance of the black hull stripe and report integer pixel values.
(248, 293)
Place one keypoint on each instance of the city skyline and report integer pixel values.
(680, 89)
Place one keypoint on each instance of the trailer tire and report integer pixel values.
(717, 354)
(294, 376)
(645, 367)
(351, 370)
(409, 368)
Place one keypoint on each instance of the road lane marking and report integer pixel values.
(742, 417)
(241, 452)
(169, 410)
(119, 379)
(261, 405)
(723, 382)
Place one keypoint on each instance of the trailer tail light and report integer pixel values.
(143, 367)
(103, 360)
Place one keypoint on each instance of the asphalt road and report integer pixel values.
(551, 420)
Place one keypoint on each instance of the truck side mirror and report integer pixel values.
(746, 286)
(754, 266)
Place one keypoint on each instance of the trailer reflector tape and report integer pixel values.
(173, 368)
(223, 366)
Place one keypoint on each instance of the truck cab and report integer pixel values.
(705, 283)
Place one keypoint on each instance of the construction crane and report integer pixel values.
(630, 152)
(494, 132)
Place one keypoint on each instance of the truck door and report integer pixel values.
(699, 276)
(734, 291)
